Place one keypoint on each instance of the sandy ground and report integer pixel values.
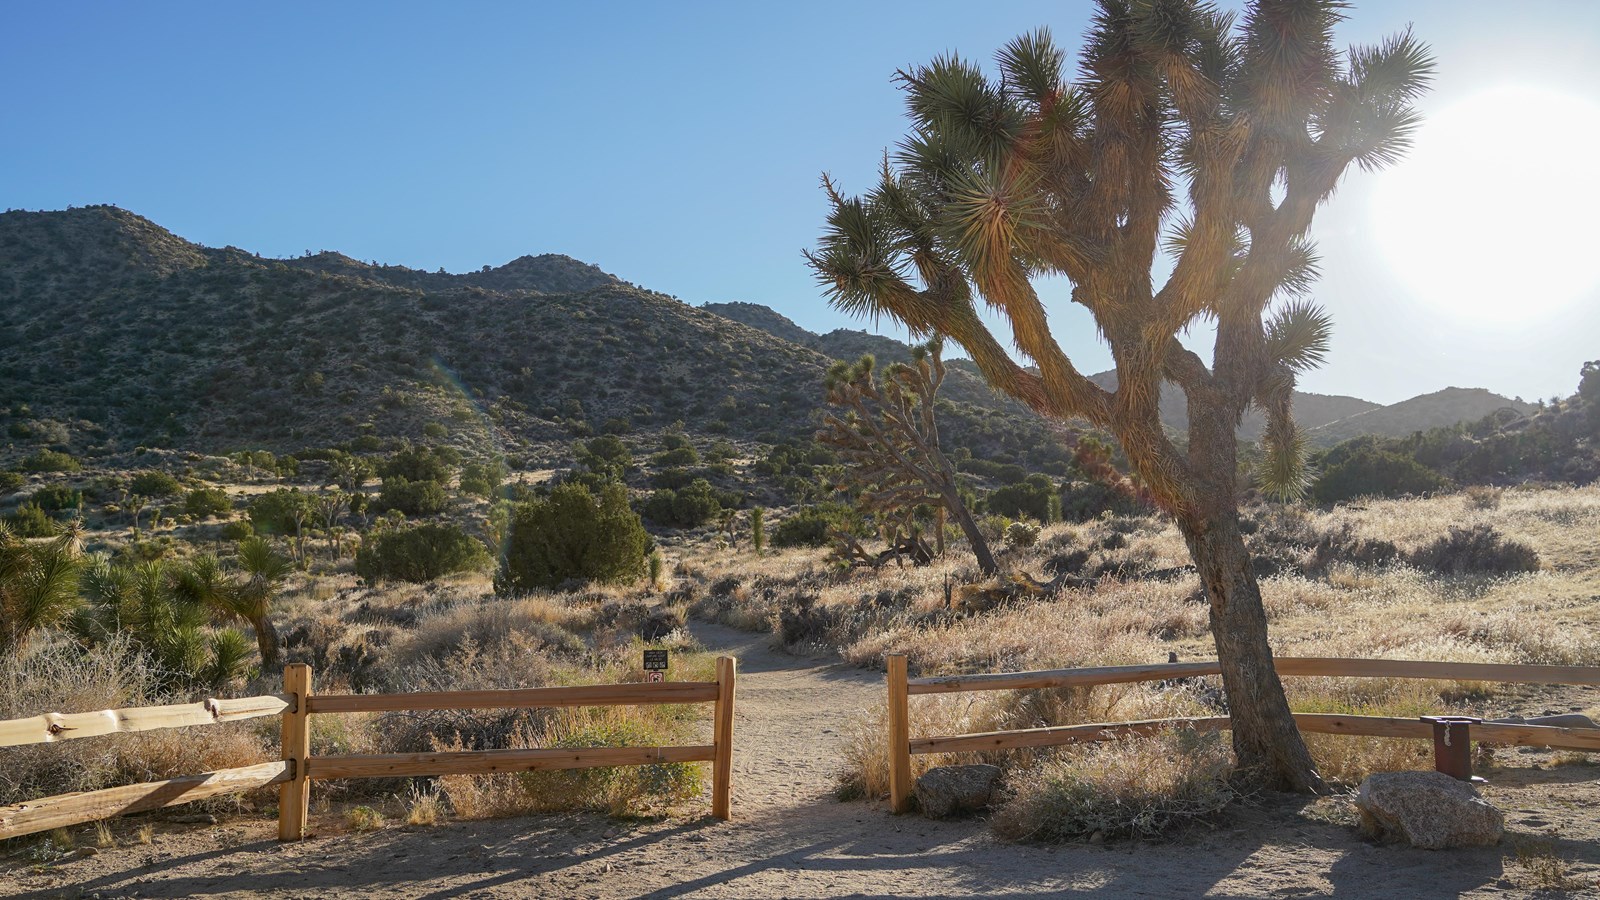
(790, 838)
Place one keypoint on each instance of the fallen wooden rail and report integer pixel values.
(298, 767)
(902, 746)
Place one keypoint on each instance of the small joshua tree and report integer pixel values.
(888, 437)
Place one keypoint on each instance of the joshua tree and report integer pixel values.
(889, 439)
(264, 572)
(350, 472)
(163, 606)
(1254, 121)
(329, 508)
(38, 583)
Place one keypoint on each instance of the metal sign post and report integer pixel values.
(655, 666)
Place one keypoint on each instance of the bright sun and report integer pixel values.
(1492, 214)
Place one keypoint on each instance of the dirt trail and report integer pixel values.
(790, 838)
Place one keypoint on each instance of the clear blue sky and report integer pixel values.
(676, 145)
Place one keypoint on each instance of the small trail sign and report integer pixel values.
(655, 661)
(653, 677)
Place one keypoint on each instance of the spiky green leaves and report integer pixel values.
(1298, 336)
(1284, 474)
(1032, 65)
(1297, 339)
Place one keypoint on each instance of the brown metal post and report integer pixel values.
(1452, 745)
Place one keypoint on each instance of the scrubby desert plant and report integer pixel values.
(1139, 787)
(572, 534)
(419, 553)
(1479, 549)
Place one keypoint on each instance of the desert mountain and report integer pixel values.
(125, 334)
(1436, 410)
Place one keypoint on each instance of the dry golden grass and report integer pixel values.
(59, 679)
(1346, 609)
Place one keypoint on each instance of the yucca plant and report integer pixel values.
(156, 604)
(1190, 131)
(38, 583)
(264, 570)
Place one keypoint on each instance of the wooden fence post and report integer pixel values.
(722, 763)
(294, 795)
(899, 736)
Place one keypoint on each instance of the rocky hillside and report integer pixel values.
(117, 333)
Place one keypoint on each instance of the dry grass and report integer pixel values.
(1536, 864)
(424, 808)
(1321, 605)
(56, 677)
(1141, 787)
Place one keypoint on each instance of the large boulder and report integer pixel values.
(949, 790)
(1430, 810)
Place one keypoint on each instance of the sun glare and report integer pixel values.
(1492, 215)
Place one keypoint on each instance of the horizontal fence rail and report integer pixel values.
(1332, 667)
(51, 727)
(902, 746)
(494, 762)
(526, 698)
(88, 806)
(298, 768)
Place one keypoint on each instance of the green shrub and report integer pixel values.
(203, 502)
(10, 481)
(51, 461)
(607, 456)
(419, 464)
(1034, 498)
(618, 790)
(572, 534)
(275, 512)
(28, 520)
(57, 496)
(678, 456)
(673, 479)
(237, 530)
(1005, 473)
(1479, 549)
(155, 483)
(435, 430)
(809, 527)
(483, 479)
(691, 507)
(1369, 471)
(414, 498)
(419, 553)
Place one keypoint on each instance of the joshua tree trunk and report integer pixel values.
(1265, 740)
(980, 544)
(266, 640)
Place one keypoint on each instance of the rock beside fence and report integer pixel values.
(1430, 810)
(951, 790)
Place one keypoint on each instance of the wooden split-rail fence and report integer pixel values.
(298, 768)
(902, 746)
